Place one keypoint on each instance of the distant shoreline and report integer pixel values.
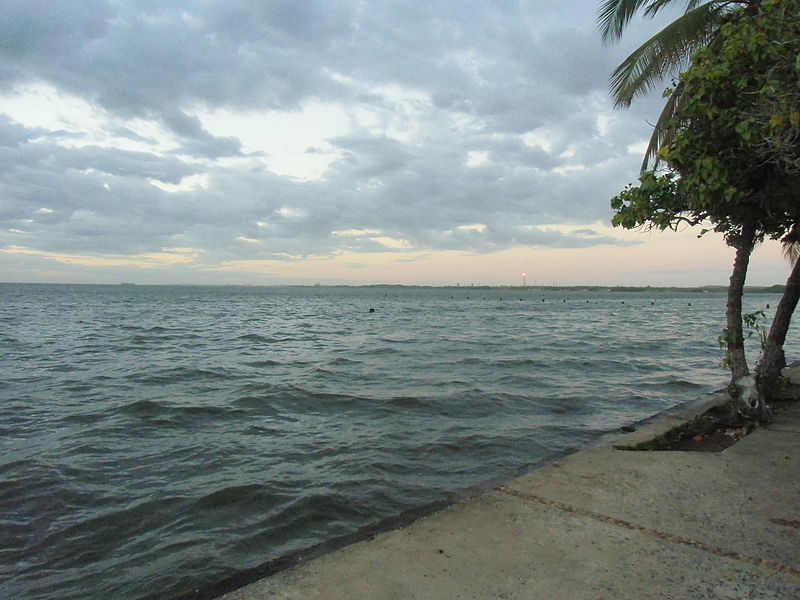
(772, 289)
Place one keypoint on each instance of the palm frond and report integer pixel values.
(614, 16)
(792, 252)
(666, 52)
(791, 244)
(663, 130)
(652, 9)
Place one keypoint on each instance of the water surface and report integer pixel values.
(155, 438)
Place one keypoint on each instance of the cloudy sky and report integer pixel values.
(302, 141)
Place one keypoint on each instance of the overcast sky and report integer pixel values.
(259, 141)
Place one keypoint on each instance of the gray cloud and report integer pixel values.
(481, 76)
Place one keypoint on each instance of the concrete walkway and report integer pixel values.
(601, 523)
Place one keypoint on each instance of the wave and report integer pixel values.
(193, 430)
(263, 363)
(180, 375)
(160, 413)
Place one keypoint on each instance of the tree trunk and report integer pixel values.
(733, 334)
(768, 372)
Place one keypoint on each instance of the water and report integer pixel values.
(155, 438)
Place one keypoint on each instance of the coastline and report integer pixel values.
(777, 288)
(674, 509)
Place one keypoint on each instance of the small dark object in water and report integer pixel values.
(767, 305)
(652, 304)
(371, 310)
(689, 304)
(627, 429)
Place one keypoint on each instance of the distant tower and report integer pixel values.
(524, 281)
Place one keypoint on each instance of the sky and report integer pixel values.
(349, 141)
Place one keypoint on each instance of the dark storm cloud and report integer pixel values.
(480, 75)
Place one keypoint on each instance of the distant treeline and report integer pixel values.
(772, 289)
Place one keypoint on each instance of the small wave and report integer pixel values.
(142, 339)
(306, 520)
(171, 415)
(207, 412)
(260, 431)
(257, 337)
(522, 362)
(256, 404)
(263, 363)
(90, 448)
(414, 402)
(71, 386)
(382, 351)
(682, 383)
(85, 418)
(177, 375)
(236, 496)
(144, 408)
(398, 339)
(473, 360)
(272, 339)
(341, 361)
(89, 540)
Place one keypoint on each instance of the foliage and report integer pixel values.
(733, 158)
(667, 50)
(731, 134)
(666, 53)
(754, 321)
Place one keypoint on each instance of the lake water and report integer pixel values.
(156, 438)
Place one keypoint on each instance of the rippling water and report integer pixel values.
(154, 438)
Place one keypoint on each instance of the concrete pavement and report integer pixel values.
(600, 523)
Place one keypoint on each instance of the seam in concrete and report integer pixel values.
(745, 558)
(780, 430)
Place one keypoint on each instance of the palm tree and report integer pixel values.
(665, 54)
